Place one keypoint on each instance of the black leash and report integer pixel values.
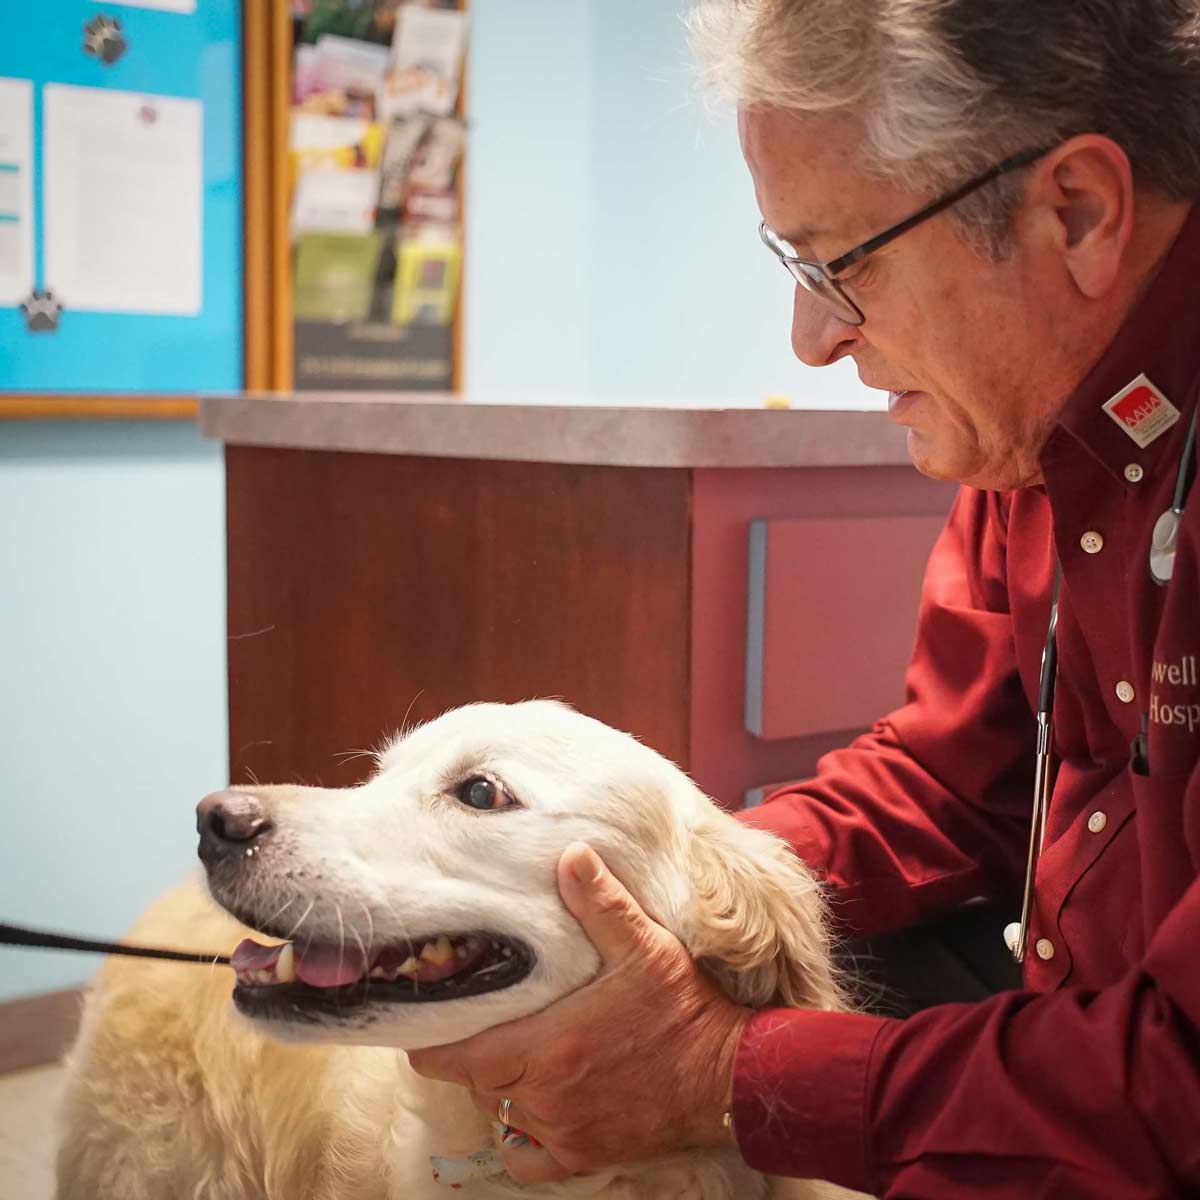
(14, 935)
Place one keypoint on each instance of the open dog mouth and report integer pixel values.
(318, 980)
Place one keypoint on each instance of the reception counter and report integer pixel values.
(735, 586)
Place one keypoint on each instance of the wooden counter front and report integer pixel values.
(367, 590)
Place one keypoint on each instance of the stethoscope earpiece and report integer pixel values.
(1163, 543)
(1165, 538)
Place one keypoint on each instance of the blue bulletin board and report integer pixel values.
(174, 50)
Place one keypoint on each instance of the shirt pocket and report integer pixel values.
(1101, 916)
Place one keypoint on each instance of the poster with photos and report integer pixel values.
(376, 147)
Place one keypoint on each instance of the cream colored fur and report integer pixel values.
(175, 1096)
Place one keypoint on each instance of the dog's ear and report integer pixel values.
(756, 919)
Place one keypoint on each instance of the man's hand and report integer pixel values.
(637, 1063)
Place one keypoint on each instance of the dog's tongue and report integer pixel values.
(251, 956)
(320, 966)
(330, 966)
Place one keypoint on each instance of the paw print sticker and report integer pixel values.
(42, 311)
(103, 39)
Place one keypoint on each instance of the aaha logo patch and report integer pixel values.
(1142, 411)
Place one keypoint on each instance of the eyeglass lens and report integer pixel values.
(811, 277)
(826, 290)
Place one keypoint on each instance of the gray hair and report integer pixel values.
(944, 88)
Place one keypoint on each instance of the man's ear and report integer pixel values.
(1085, 192)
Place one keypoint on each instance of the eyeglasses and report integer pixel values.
(821, 279)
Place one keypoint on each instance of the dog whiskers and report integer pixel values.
(337, 908)
(303, 917)
(366, 958)
(408, 712)
(347, 756)
(401, 924)
(370, 929)
(279, 912)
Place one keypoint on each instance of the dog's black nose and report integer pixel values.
(229, 823)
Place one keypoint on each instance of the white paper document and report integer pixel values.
(16, 190)
(178, 6)
(123, 198)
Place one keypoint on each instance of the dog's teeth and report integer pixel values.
(439, 953)
(285, 965)
(409, 966)
(460, 951)
(380, 973)
(507, 952)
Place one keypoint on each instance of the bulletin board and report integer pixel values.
(121, 288)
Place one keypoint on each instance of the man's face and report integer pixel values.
(978, 355)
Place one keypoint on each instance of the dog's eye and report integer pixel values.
(481, 793)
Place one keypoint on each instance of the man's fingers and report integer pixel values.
(489, 1061)
(447, 1063)
(596, 898)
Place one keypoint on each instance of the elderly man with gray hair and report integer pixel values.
(989, 205)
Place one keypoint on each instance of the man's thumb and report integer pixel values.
(596, 898)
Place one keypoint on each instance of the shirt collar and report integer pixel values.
(1161, 340)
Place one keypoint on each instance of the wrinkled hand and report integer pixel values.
(637, 1063)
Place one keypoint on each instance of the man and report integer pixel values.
(1040, 337)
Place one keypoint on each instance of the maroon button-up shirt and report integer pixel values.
(1087, 1083)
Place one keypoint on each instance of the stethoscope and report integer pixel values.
(1163, 544)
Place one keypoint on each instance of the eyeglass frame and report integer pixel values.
(828, 272)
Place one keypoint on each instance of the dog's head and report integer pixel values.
(422, 906)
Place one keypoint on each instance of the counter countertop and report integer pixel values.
(602, 432)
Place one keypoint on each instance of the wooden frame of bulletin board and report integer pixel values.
(266, 310)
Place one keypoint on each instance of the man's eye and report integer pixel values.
(483, 794)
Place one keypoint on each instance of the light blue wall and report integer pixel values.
(529, 197)
(112, 675)
(626, 261)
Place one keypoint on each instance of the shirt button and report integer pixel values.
(1097, 822)
(1125, 692)
(1045, 949)
(1092, 542)
(1134, 473)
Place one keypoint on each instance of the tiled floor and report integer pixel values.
(28, 1135)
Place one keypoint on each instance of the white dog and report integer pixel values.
(414, 910)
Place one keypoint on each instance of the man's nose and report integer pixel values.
(819, 336)
(229, 824)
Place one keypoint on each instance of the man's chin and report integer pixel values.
(936, 460)
(929, 458)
